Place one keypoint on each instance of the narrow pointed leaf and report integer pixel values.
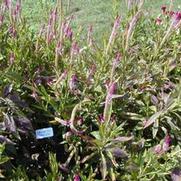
(104, 166)
(152, 119)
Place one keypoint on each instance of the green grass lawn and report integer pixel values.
(99, 13)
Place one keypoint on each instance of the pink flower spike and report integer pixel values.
(63, 75)
(59, 48)
(1, 20)
(107, 109)
(73, 83)
(50, 20)
(7, 3)
(75, 50)
(117, 22)
(166, 143)
(77, 177)
(101, 118)
(89, 36)
(90, 30)
(113, 33)
(178, 16)
(112, 88)
(91, 73)
(34, 95)
(163, 8)
(116, 26)
(50, 37)
(176, 19)
(63, 122)
(54, 15)
(164, 147)
(61, 78)
(157, 149)
(67, 31)
(158, 21)
(12, 31)
(18, 6)
(106, 84)
(117, 60)
(171, 13)
(17, 10)
(11, 58)
(79, 121)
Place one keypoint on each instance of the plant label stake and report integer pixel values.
(44, 133)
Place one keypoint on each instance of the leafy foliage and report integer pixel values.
(115, 109)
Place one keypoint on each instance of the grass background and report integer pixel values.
(99, 13)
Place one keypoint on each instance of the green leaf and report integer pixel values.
(153, 119)
(104, 166)
(96, 134)
(155, 128)
(3, 159)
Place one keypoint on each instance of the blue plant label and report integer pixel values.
(44, 133)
